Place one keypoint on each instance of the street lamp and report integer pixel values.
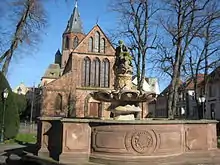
(201, 101)
(4, 97)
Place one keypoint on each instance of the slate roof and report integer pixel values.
(74, 24)
(53, 71)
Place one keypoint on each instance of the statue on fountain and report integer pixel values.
(124, 99)
(123, 68)
(123, 61)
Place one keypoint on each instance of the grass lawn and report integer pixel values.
(23, 138)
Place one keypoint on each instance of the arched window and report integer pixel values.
(66, 43)
(97, 42)
(75, 42)
(86, 72)
(102, 45)
(90, 44)
(96, 66)
(105, 73)
(58, 102)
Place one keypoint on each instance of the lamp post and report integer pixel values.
(4, 97)
(201, 101)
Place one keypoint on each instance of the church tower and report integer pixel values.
(83, 65)
(72, 36)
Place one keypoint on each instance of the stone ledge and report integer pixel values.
(208, 158)
(143, 121)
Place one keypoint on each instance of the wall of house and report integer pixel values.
(213, 100)
(191, 104)
(161, 106)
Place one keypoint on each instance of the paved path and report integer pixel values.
(208, 159)
(4, 147)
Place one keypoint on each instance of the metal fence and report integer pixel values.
(26, 127)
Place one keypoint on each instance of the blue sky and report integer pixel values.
(30, 68)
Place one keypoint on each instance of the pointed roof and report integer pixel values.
(58, 53)
(74, 24)
(88, 35)
(58, 56)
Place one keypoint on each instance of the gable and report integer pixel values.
(83, 46)
(62, 83)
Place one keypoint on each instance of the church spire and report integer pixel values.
(74, 24)
(76, 4)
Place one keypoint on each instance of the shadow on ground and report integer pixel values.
(27, 155)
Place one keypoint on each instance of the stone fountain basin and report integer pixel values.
(112, 141)
(123, 95)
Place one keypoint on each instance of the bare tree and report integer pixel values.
(182, 21)
(31, 19)
(204, 54)
(134, 26)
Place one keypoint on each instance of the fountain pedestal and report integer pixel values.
(126, 112)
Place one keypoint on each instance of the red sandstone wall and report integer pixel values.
(62, 86)
(111, 141)
(83, 46)
(71, 81)
(66, 52)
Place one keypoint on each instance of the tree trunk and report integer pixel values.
(174, 84)
(17, 37)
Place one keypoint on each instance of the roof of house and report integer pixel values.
(53, 71)
(150, 84)
(214, 75)
(168, 87)
(188, 84)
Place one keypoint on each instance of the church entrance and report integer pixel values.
(94, 109)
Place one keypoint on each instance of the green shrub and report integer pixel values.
(21, 103)
(11, 110)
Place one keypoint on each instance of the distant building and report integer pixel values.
(211, 92)
(186, 104)
(21, 89)
(150, 84)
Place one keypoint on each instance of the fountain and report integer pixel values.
(124, 99)
(124, 139)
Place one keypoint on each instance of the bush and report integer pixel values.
(11, 110)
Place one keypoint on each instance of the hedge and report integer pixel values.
(11, 110)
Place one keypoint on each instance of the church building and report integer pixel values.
(82, 66)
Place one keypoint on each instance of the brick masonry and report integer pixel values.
(69, 85)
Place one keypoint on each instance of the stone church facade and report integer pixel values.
(84, 65)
